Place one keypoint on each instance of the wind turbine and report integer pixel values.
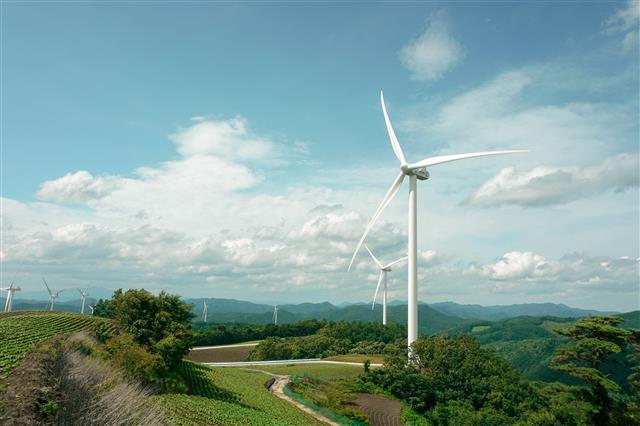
(8, 304)
(52, 296)
(415, 171)
(275, 314)
(204, 311)
(92, 307)
(383, 277)
(84, 294)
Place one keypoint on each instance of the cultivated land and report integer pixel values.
(20, 332)
(246, 401)
(231, 353)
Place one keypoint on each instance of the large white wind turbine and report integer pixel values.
(204, 311)
(384, 269)
(8, 304)
(52, 296)
(414, 171)
(275, 314)
(84, 294)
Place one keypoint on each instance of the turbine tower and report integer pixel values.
(8, 304)
(384, 269)
(415, 171)
(52, 296)
(204, 311)
(275, 314)
(84, 294)
(92, 307)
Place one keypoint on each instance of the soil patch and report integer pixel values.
(227, 354)
(28, 387)
(380, 410)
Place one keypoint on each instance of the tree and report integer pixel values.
(597, 340)
(160, 323)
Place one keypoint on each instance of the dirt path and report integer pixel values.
(380, 410)
(278, 390)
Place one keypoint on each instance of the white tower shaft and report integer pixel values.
(384, 301)
(412, 252)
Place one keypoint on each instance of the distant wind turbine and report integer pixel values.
(275, 314)
(414, 171)
(92, 307)
(204, 311)
(8, 304)
(52, 296)
(84, 294)
(384, 269)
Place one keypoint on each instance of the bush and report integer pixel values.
(131, 357)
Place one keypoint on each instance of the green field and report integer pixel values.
(246, 402)
(20, 332)
(317, 371)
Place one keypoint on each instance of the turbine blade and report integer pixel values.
(392, 135)
(373, 257)
(46, 285)
(375, 295)
(385, 202)
(432, 161)
(402, 259)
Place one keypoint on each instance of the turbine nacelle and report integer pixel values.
(420, 173)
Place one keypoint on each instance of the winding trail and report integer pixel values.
(278, 390)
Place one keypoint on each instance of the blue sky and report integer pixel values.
(237, 150)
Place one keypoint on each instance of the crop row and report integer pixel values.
(254, 404)
(20, 333)
(201, 385)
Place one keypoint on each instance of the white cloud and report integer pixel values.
(545, 185)
(229, 139)
(78, 187)
(626, 21)
(434, 52)
(513, 265)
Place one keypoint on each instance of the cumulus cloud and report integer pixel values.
(229, 139)
(544, 185)
(625, 21)
(78, 187)
(575, 270)
(434, 52)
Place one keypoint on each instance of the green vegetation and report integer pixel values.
(20, 332)
(316, 371)
(158, 335)
(224, 334)
(326, 398)
(335, 338)
(255, 404)
(455, 380)
(595, 342)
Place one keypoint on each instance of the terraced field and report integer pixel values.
(20, 332)
(239, 398)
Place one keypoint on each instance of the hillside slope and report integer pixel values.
(20, 332)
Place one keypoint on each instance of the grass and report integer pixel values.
(374, 359)
(316, 371)
(480, 328)
(254, 404)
